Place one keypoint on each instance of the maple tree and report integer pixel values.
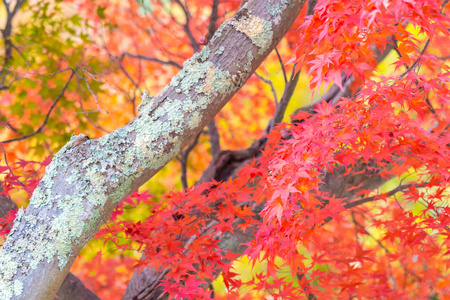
(347, 198)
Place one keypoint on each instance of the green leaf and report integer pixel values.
(17, 109)
(26, 129)
(22, 95)
(101, 12)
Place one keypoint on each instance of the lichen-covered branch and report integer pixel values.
(85, 182)
(72, 287)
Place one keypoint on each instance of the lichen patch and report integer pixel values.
(258, 30)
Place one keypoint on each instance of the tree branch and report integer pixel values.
(73, 289)
(212, 26)
(47, 116)
(187, 28)
(214, 139)
(6, 33)
(152, 59)
(400, 188)
(183, 160)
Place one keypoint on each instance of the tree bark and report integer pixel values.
(88, 178)
(72, 287)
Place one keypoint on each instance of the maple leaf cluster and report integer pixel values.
(316, 236)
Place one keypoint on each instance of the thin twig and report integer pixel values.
(152, 59)
(7, 164)
(186, 27)
(214, 138)
(356, 229)
(183, 160)
(47, 116)
(213, 19)
(416, 62)
(41, 74)
(85, 114)
(282, 65)
(380, 244)
(270, 83)
(8, 45)
(94, 95)
(443, 6)
(400, 188)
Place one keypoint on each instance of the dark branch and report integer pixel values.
(282, 65)
(214, 138)
(400, 188)
(152, 59)
(47, 115)
(187, 28)
(183, 160)
(6, 33)
(212, 26)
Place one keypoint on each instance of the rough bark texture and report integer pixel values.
(87, 179)
(6, 204)
(72, 287)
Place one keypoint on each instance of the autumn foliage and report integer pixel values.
(345, 199)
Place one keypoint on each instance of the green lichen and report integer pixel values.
(258, 30)
(97, 180)
(220, 51)
(10, 290)
(204, 55)
(8, 268)
(275, 9)
(146, 99)
(248, 65)
(17, 287)
(9, 265)
(41, 197)
(215, 81)
(205, 77)
(67, 227)
(93, 222)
